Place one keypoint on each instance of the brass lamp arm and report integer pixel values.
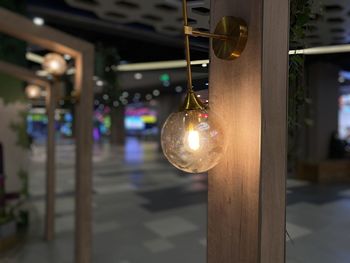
(229, 40)
(188, 30)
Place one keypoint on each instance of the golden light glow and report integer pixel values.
(193, 140)
(33, 91)
(54, 64)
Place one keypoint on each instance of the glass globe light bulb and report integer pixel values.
(33, 91)
(54, 64)
(193, 140)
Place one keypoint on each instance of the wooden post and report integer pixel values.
(246, 200)
(83, 128)
(28, 76)
(50, 163)
(83, 53)
(117, 129)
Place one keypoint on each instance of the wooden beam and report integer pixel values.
(28, 76)
(246, 200)
(22, 74)
(21, 27)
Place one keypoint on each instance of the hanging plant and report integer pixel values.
(301, 13)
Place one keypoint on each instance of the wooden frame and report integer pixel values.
(28, 76)
(83, 52)
(246, 197)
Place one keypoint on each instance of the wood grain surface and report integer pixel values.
(246, 199)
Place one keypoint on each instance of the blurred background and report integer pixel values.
(145, 210)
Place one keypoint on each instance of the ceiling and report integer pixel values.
(160, 21)
(148, 30)
(331, 25)
(163, 16)
(151, 30)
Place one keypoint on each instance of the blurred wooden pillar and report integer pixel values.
(246, 200)
(322, 84)
(50, 163)
(83, 53)
(2, 182)
(30, 77)
(83, 166)
(117, 127)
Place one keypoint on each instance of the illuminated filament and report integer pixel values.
(193, 140)
(54, 65)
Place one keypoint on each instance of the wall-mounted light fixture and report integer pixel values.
(54, 64)
(33, 92)
(192, 139)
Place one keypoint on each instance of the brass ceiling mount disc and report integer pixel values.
(236, 31)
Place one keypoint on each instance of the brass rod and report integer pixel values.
(197, 33)
(187, 47)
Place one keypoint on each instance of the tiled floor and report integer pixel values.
(145, 211)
